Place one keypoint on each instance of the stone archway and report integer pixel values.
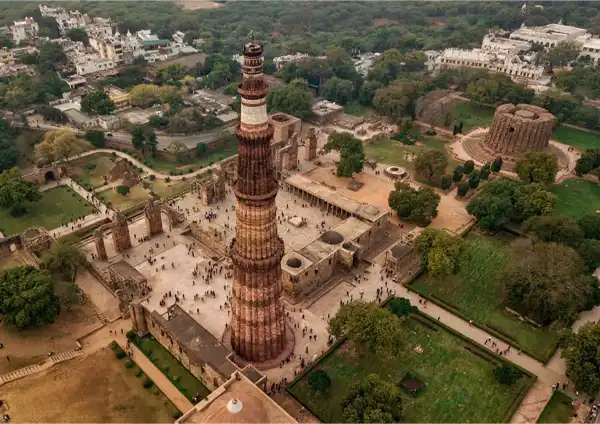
(49, 176)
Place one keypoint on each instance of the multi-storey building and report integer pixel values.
(26, 29)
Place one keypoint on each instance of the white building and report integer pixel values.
(27, 29)
(364, 62)
(548, 35)
(281, 61)
(497, 44)
(91, 64)
(178, 37)
(509, 64)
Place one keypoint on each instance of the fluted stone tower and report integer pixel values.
(519, 129)
(257, 319)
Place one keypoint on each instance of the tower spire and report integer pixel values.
(257, 319)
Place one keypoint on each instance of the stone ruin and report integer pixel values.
(211, 237)
(310, 145)
(123, 170)
(36, 239)
(435, 108)
(211, 190)
(152, 214)
(120, 234)
(515, 130)
(286, 156)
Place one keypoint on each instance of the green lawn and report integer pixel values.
(392, 152)
(473, 115)
(476, 292)
(355, 108)
(57, 206)
(137, 194)
(171, 367)
(559, 409)
(172, 188)
(580, 139)
(80, 170)
(460, 386)
(576, 197)
(226, 148)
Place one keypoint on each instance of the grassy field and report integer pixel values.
(580, 139)
(558, 410)
(354, 108)
(460, 386)
(393, 152)
(576, 198)
(57, 205)
(171, 367)
(228, 147)
(137, 194)
(81, 170)
(473, 115)
(172, 188)
(476, 292)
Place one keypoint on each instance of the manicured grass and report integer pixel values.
(580, 139)
(355, 108)
(559, 409)
(473, 115)
(226, 148)
(171, 367)
(136, 195)
(460, 386)
(172, 188)
(476, 292)
(91, 177)
(576, 197)
(57, 206)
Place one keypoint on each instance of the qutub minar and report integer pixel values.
(258, 319)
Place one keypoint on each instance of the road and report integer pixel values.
(163, 140)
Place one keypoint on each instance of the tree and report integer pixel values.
(97, 103)
(418, 206)
(319, 381)
(401, 307)
(63, 258)
(581, 351)
(15, 191)
(51, 113)
(474, 179)
(545, 281)
(179, 150)
(399, 98)
(8, 149)
(78, 34)
(338, 90)
(51, 56)
(589, 161)
(507, 374)
(367, 92)
(96, 138)
(372, 401)
(144, 95)
(589, 250)
(485, 172)
(562, 54)
(537, 167)
(446, 182)
(590, 225)
(554, 229)
(463, 189)
(468, 167)
(144, 139)
(59, 144)
(27, 298)
(532, 200)
(295, 99)
(123, 190)
(431, 164)
(352, 155)
(439, 252)
(497, 165)
(368, 326)
(201, 149)
(457, 174)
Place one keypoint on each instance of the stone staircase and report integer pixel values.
(22, 372)
(102, 318)
(65, 356)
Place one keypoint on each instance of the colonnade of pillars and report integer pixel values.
(316, 201)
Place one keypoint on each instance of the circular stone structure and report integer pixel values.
(395, 172)
(517, 129)
(332, 237)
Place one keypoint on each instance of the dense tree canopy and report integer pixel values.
(15, 191)
(59, 144)
(554, 229)
(144, 139)
(352, 155)
(546, 282)
(431, 164)
(369, 326)
(537, 167)
(27, 298)
(590, 225)
(372, 400)
(440, 252)
(338, 90)
(562, 54)
(581, 351)
(418, 206)
(294, 99)
(97, 103)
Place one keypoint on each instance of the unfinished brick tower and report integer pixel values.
(519, 129)
(258, 332)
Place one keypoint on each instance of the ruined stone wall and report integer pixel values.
(519, 129)
(152, 213)
(6, 244)
(120, 234)
(310, 145)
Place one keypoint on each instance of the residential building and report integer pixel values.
(178, 37)
(364, 62)
(109, 122)
(91, 64)
(119, 97)
(80, 119)
(26, 29)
